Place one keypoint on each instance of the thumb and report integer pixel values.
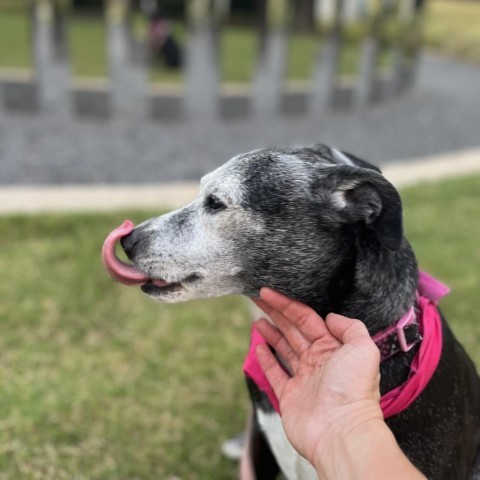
(348, 330)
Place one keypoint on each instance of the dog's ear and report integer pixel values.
(363, 195)
(357, 162)
(342, 157)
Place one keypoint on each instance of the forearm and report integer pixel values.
(369, 452)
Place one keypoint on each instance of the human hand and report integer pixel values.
(333, 389)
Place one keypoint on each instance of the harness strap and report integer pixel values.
(422, 326)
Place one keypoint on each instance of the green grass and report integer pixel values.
(14, 40)
(238, 59)
(452, 28)
(238, 55)
(99, 382)
(87, 43)
(442, 223)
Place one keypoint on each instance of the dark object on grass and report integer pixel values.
(162, 42)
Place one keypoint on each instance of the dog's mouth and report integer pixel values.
(159, 287)
(126, 273)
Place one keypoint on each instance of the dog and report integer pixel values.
(325, 228)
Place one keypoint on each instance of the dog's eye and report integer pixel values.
(213, 204)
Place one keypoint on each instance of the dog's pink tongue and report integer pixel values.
(119, 270)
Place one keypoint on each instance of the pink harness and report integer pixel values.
(430, 291)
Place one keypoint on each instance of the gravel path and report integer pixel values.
(170, 195)
(442, 114)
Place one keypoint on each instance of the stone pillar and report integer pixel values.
(409, 41)
(202, 76)
(2, 102)
(51, 70)
(128, 73)
(367, 78)
(272, 61)
(325, 71)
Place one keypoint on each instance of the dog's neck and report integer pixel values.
(384, 285)
(371, 283)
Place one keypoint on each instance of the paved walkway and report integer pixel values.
(36, 199)
(441, 115)
(48, 164)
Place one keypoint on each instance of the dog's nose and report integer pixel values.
(129, 242)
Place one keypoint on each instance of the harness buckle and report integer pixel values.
(406, 321)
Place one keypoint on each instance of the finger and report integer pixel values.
(290, 332)
(275, 338)
(302, 317)
(262, 305)
(348, 330)
(276, 375)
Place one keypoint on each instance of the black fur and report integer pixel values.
(372, 276)
(325, 228)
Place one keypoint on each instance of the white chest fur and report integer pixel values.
(293, 465)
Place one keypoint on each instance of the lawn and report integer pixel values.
(238, 58)
(452, 28)
(100, 382)
(14, 40)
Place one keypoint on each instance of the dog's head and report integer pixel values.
(284, 218)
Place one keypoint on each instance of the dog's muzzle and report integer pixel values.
(121, 271)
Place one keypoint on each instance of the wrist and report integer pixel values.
(364, 450)
(346, 425)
